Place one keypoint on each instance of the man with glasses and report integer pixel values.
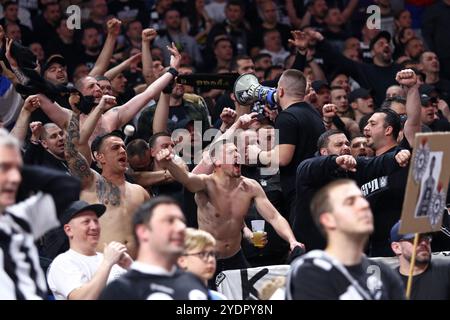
(431, 277)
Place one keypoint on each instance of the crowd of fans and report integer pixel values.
(127, 157)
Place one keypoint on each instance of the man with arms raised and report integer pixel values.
(223, 199)
(120, 197)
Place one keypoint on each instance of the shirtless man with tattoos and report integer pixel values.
(223, 199)
(120, 197)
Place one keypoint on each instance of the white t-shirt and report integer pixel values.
(70, 270)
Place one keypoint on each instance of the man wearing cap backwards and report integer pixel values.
(120, 197)
(377, 76)
(431, 277)
(341, 271)
(81, 272)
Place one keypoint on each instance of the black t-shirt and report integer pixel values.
(385, 195)
(318, 278)
(137, 285)
(299, 125)
(433, 284)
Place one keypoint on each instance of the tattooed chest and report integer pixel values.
(108, 193)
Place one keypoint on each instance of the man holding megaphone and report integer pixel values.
(298, 125)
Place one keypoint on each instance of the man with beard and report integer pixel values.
(431, 277)
(335, 161)
(378, 76)
(120, 197)
(115, 117)
(223, 199)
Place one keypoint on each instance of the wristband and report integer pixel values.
(173, 72)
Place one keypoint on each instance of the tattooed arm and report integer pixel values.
(78, 165)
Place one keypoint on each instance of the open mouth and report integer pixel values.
(123, 160)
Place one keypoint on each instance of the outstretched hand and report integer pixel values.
(300, 40)
(12, 61)
(175, 58)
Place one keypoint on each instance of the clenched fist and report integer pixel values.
(346, 162)
(403, 157)
(149, 34)
(407, 78)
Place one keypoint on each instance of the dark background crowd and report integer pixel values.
(354, 84)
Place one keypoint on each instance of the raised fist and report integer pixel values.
(113, 26)
(329, 110)
(228, 116)
(406, 78)
(149, 34)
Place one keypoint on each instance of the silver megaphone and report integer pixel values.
(248, 90)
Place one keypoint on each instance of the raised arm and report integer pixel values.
(348, 11)
(121, 115)
(147, 61)
(161, 113)
(88, 127)
(78, 165)
(59, 115)
(192, 182)
(21, 126)
(293, 18)
(408, 80)
(149, 178)
(90, 124)
(104, 58)
(271, 215)
(124, 65)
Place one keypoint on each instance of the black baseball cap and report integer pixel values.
(80, 206)
(55, 58)
(380, 35)
(358, 93)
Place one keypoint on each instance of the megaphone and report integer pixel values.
(247, 90)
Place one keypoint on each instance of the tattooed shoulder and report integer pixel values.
(107, 192)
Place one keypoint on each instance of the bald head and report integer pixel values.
(46, 128)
